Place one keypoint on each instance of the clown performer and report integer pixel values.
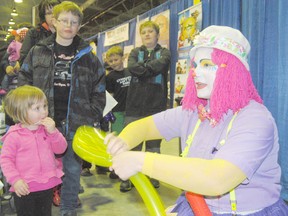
(228, 137)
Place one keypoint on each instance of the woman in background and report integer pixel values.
(44, 29)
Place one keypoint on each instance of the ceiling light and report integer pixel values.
(14, 12)
(18, 1)
(11, 22)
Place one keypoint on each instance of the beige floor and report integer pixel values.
(103, 198)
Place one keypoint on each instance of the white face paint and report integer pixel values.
(205, 72)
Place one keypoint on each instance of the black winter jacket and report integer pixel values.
(33, 36)
(4, 61)
(147, 93)
(87, 92)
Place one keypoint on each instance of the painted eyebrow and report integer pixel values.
(205, 60)
(195, 64)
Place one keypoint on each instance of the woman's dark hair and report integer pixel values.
(46, 4)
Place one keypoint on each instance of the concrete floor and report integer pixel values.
(103, 198)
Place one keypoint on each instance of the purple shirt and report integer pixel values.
(252, 145)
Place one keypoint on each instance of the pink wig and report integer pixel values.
(233, 87)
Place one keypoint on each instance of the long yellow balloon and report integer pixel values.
(88, 143)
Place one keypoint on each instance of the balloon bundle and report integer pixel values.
(88, 143)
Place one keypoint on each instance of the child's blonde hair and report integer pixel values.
(68, 6)
(19, 100)
(151, 24)
(115, 50)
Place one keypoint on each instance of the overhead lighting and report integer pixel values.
(11, 21)
(18, 1)
(14, 12)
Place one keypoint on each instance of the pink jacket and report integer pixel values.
(14, 51)
(30, 155)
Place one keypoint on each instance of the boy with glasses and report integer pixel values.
(73, 79)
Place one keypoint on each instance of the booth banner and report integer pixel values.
(126, 51)
(163, 20)
(117, 35)
(190, 24)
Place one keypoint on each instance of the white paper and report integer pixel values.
(110, 103)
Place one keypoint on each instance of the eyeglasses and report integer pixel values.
(68, 23)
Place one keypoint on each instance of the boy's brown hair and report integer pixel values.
(152, 24)
(115, 50)
(68, 6)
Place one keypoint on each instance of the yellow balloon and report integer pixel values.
(88, 143)
(149, 195)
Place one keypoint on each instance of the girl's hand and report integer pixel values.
(49, 125)
(21, 188)
(115, 145)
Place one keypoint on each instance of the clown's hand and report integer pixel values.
(127, 164)
(10, 70)
(115, 145)
(16, 67)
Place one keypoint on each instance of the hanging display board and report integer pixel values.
(163, 20)
(117, 35)
(189, 25)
